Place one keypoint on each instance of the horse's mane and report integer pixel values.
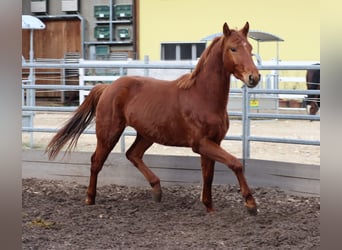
(189, 80)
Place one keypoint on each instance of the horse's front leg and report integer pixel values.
(208, 175)
(135, 154)
(213, 151)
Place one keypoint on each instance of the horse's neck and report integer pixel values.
(213, 82)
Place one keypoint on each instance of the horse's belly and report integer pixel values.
(158, 120)
(169, 133)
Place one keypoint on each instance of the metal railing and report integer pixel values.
(246, 113)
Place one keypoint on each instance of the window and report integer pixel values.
(182, 51)
(199, 49)
(186, 51)
(169, 52)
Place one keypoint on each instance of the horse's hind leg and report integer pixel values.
(106, 140)
(135, 154)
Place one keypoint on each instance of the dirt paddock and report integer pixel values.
(55, 217)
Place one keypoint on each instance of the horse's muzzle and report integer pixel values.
(253, 80)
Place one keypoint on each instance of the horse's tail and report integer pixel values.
(73, 129)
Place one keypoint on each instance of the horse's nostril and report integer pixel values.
(251, 80)
(254, 79)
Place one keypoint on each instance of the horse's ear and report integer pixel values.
(245, 29)
(226, 30)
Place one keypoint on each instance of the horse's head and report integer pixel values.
(237, 55)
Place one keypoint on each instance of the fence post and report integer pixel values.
(245, 126)
(31, 93)
(146, 61)
(81, 83)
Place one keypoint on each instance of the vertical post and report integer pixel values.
(63, 82)
(245, 126)
(146, 61)
(193, 52)
(122, 71)
(81, 83)
(178, 52)
(31, 95)
(111, 20)
(123, 143)
(276, 82)
(32, 71)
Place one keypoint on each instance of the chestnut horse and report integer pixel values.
(188, 112)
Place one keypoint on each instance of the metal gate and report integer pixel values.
(245, 113)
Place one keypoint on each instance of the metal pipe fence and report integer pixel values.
(246, 113)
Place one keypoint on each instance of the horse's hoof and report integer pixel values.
(156, 196)
(211, 210)
(252, 210)
(89, 201)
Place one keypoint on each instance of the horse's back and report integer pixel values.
(139, 83)
(141, 95)
(148, 96)
(133, 87)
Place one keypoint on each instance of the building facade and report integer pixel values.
(297, 22)
(169, 29)
(97, 29)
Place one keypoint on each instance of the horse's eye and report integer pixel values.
(233, 49)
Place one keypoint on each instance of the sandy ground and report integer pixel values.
(54, 217)
(294, 129)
